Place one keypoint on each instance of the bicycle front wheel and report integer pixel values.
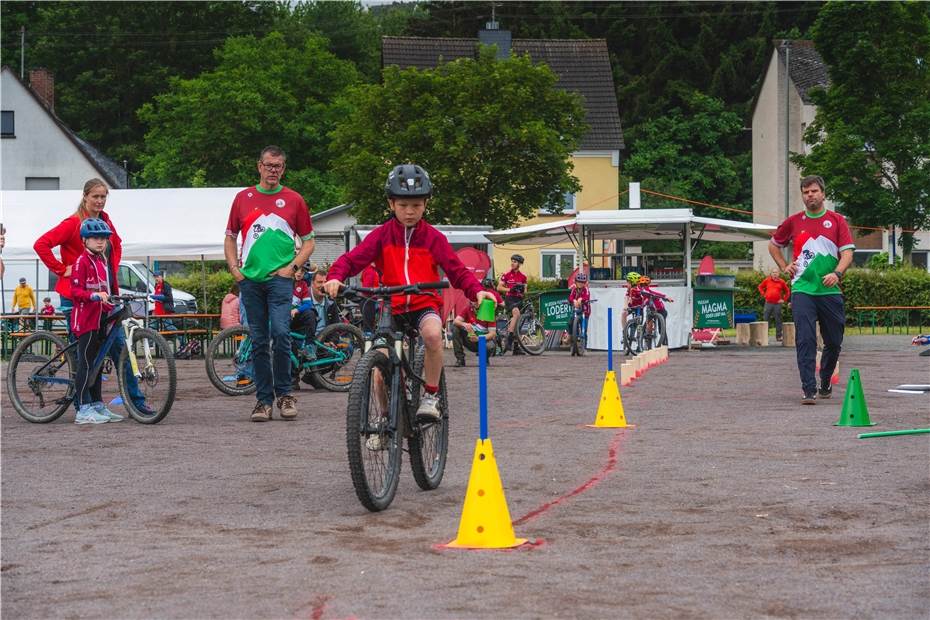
(372, 441)
(429, 441)
(229, 361)
(531, 337)
(147, 397)
(40, 377)
(346, 344)
(631, 341)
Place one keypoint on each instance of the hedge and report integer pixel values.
(218, 284)
(861, 287)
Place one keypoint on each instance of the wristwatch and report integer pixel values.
(838, 274)
(295, 267)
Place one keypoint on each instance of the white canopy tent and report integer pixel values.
(636, 225)
(157, 223)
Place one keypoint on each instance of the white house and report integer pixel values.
(783, 110)
(37, 150)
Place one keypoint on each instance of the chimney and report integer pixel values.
(493, 35)
(42, 83)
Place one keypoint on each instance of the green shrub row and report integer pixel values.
(861, 287)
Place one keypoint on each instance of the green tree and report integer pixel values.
(208, 131)
(692, 152)
(495, 135)
(109, 58)
(872, 129)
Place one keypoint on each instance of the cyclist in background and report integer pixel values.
(513, 286)
(634, 298)
(657, 297)
(580, 296)
(407, 250)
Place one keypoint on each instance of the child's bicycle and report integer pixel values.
(330, 366)
(382, 407)
(40, 378)
(578, 330)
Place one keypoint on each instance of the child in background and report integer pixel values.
(229, 309)
(47, 310)
(657, 297)
(580, 296)
(90, 294)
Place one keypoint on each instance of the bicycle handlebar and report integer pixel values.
(389, 291)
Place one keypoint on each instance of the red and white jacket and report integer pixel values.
(408, 257)
(88, 276)
(67, 237)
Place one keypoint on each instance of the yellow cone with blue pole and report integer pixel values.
(610, 407)
(485, 522)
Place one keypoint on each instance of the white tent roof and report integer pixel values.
(160, 223)
(635, 225)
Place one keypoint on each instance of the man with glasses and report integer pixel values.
(270, 218)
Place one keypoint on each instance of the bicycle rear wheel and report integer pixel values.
(579, 344)
(373, 447)
(348, 342)
(228, 360)
(531, 337)
(631, 343)
(429, 441)
(40, 377)
(158, 379)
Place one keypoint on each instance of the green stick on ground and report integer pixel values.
(912, 431)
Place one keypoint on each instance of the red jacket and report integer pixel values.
(67, 235)
(88, 276)
(408, 257)
(774, 290)
(584, 294)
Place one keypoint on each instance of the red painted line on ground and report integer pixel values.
(590, 484)
(319, 607)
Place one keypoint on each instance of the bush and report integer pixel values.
(218, 284)
(861, 287)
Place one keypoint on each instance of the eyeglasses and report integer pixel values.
(272, 167)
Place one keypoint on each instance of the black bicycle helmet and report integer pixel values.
(517, 258)
(408, 180)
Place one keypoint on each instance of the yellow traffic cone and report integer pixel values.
(610, 408)
(485, 522)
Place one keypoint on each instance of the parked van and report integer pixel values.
(133, 276)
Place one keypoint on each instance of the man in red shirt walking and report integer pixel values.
(776, 293)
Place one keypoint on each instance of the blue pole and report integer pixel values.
(610, 339)
(483, 386)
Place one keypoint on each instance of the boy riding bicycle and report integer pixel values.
(407, 250)
(580, 297)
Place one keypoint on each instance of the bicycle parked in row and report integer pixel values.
(327, 362)
(41, 374)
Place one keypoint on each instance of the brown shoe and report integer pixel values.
(261, 413)
(287, 405)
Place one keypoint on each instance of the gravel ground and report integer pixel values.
(728, 499)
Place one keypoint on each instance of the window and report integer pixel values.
(129, 280)
(37, 183)
(568, 205)
(557, 263)
(7, 124)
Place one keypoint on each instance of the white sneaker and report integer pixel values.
(88, 415)
(376, 443)
(429, 407)
(102, 410)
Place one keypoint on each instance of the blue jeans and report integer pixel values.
(268, 306)
(119, 343)
(807, 311)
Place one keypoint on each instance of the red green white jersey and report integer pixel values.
(270, 223)
(818, 241)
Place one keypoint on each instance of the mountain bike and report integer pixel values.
(578, 330)
(651, 331)
(329, 364)
(530, 335)
(40, 378)
(381, 411)
(632, 341)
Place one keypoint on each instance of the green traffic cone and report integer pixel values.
(855, 412)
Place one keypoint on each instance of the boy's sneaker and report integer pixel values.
(87, 414)
(460, 363)
(261, 413)
(810, 398)
(287, 405)
(102, 410)
(429, 407)
(825, 391)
